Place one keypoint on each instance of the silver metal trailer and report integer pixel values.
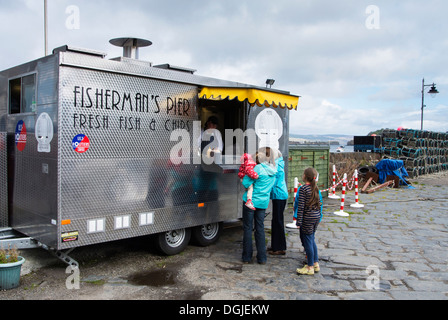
(86, 149)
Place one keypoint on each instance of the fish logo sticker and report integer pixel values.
(44, 132)
(20, 135)
(81, 143)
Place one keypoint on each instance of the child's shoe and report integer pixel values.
(305, 271)
(316, 268)
(250, 205)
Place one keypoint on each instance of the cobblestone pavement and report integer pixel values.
(394, 248)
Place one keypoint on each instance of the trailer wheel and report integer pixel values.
(173, 242)
(206, 234)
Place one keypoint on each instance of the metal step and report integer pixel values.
(10, 238)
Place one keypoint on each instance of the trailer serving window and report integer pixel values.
(229, 105)
(230, 115)
(22, 94)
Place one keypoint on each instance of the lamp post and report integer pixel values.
(433, 91)
(46, 27)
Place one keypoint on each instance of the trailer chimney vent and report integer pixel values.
(130, 46)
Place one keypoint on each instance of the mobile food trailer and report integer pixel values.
(87, 148)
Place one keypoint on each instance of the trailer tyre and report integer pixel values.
(172, 242)
(206, 234)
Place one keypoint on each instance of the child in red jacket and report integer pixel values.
(247, 168)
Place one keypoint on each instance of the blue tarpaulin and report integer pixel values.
(388, 167)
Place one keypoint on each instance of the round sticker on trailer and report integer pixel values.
(20, 135)
(81, 143)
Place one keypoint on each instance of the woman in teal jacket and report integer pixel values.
(279, 196)
(260, 198)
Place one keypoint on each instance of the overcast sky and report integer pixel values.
(357, 67)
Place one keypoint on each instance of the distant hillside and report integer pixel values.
(342, 139)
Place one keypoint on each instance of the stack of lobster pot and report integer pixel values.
(423, 152)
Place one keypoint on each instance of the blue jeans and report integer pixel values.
(310, 246)
(249, 217)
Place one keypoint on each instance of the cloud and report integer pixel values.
(352, 79)
(320, 116)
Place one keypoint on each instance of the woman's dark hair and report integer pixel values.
(310, 177)
(212, 119)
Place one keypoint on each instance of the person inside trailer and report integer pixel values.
(211, 146)
(211, 138)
